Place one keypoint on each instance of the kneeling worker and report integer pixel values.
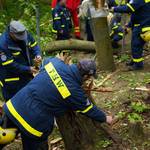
(55, 90)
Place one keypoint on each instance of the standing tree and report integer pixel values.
(104, 51)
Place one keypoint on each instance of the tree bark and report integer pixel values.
(104, 51)
(71, 44)
(2, 3)
(78, 131)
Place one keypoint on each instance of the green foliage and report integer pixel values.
(25, 12)
(121, 114)
(105, 143)
(124, 58)
(134, 117)
(139, 107)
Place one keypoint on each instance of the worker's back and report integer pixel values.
(41, 100)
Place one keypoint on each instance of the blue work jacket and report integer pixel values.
(15, 61)
(55, 90)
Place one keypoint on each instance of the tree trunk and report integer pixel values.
(100, 31)
(104, 51)
(2, 3)
(71, 44)
(78, 131)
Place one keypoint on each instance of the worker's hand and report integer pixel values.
(109, 119)
(38, 59)
(33, 70)
(112, 10)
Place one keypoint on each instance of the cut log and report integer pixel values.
(106, 78)
(144, 89)
(71, 44)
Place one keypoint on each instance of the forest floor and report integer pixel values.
(129, 105)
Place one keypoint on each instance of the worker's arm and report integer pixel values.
(9, 63)
(35, 49)
(81, 104)
(130, 7)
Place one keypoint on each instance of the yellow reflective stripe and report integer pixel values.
(115, 27)
(145, 29)
(130, 7)
(34, 44)
(54, 31)
(15, 114)
(119, 2)
(12, 79)
(147, 1)
(136, 25)
(86, 110)
(138, 60)
(57, 80)
(57, 18)
(112, 32)
(1, 84)
(16, 54)
(7, 62)
(121, 34)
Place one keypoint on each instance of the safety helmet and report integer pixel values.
(7, 135)
(146, 36)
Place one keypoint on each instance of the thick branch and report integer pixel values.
(71, 44)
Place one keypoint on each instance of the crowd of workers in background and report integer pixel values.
(139, 12)
(19, 52)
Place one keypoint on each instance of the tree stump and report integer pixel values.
(78, 131)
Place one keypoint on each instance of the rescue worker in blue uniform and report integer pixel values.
(140, 22)
(117, 31)
(17, 49)
(62, 23)
(55, 90)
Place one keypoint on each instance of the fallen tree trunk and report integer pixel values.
(71, 44)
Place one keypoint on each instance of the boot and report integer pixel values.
(136, 66)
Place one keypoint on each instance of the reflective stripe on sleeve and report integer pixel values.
(1, 84)
(62, 26)
(147, 1)
(136, 25)
(86, 110)
(112, 32)
(145, 29)
(34, 44)
(138, 60)
(26, 126)
(57, 18)
(16, 54)
(7, 62)
(54, 31)
(129, 5)
(57, 80)
(12, 79)
(121, 34)
(115, 27)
